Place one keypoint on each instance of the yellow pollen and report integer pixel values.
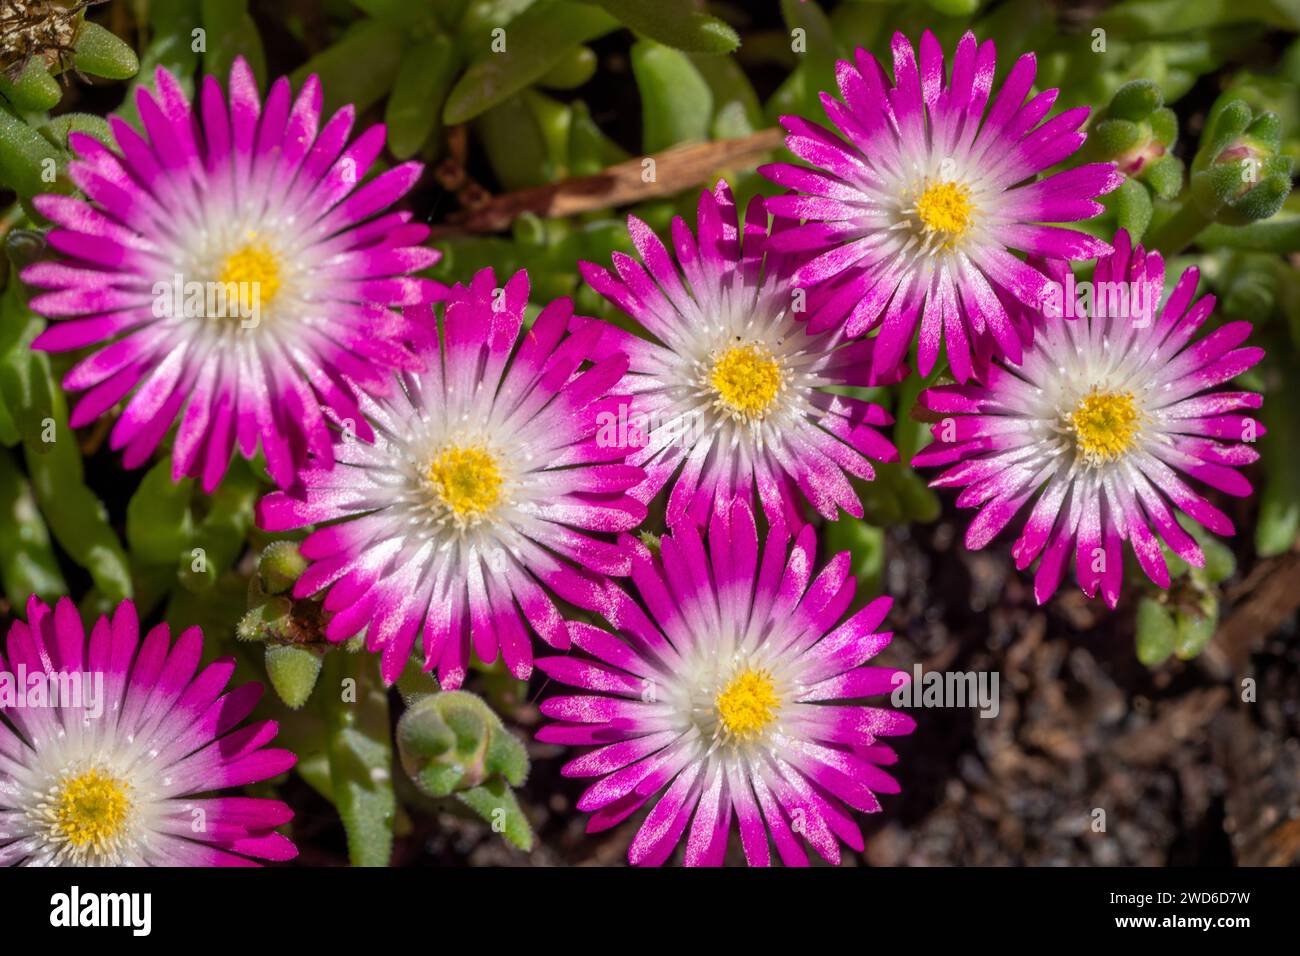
(748, 704)
(946, 208)
(1105, 425)
(468, 480)
(256, 265)
(747, 379)
(92, 809)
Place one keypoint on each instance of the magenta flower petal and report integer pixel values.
(107, 766)
(483, 496)
(729, 699)
(911, 210)
(732, 396)
(1098, 427)
(230, 271)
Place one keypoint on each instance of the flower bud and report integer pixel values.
(268, 620)
(280, 566)
(1137, 131)
(453, 741)
(1239, 175)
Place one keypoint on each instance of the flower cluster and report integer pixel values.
(469, 473)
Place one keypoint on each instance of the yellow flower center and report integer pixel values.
(1105, 425)
(945, 208)
(748, 704)
(253, 266)
(747, 379)
(467, 481)
(92, 810)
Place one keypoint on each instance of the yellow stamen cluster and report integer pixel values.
(92, 810)
(747, 379)
(747, 705)
(945, 210)
(255, 265)
(1105, 425)
(467, 481)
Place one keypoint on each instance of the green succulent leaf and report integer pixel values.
(358, 69)
(1194, 627)
(229, 32)
(27, 562)
(495, 802)
(536, 42)
(293, 671)
(35, 91)
(1279, 519)
(675, 23)
(1133, 207)
(424, 78)
(29, 163)
(676, 102)
(159, 522)
(355, 705)
(1157, 635)
(100, 53)
(577, 67)
(220, 536)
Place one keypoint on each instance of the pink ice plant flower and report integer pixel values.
(481, 491)
(1099, 425)
(732, 393)
(731, 693)
(230, 271)
(106, 766)
(912, 213)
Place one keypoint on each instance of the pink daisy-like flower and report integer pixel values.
(911, 218)
(103, 768)
(1100, 422)
(729, 698)
(231, 271)
(733, 393)
(477, 494)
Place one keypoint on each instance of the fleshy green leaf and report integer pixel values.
(35, 90)
(1133, 207)
(28, 159)
(229, 32)
(1156, 633)
(737, 111)
(159, 523)
(358, 69)
(676, 102)
(817, 56)
(675, 23)
(423, 80)
(99, 53)
(865, 543)
(220, 536)
(61, 127)
(577, 67)
(1279, 513)
(27, 562)
(495, 802)
(1194, 627)
(293, 670)
(360, 755)
(515, 145)
(172, 26)
(535, 42)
